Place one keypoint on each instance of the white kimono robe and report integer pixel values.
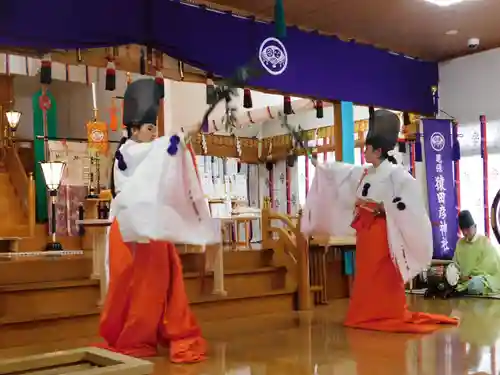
(330, 208)
(159, 196)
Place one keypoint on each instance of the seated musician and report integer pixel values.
(477, 259)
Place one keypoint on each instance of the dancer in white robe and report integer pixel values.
(384, 205)
(158, 202)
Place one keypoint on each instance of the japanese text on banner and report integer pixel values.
(440, 187)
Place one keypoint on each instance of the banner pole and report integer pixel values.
(484, 156)
(456, 164)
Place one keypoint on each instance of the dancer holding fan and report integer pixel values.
(384, 205)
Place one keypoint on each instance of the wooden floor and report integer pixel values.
(317, 343)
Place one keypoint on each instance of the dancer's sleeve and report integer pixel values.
(331, 199)
(163, 200)
(408, 224)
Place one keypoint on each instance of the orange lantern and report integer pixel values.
(97, 136)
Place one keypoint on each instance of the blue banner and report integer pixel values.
(438, 151)
(302, 64)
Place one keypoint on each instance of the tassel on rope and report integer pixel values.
(211, 91)
(46, 70)
(319, 108)
(279, 19)
(287, 105)
(110, 84)
(418, 147)
(247, 98)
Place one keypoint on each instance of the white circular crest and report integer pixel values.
(437, 141)
(97, 135)
(452, 274)
(273, 56)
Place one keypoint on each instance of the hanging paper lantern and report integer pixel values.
(319, 109)
(97, 136)
(287, 105)
(110, 82)
(46, 70)
(247, 98)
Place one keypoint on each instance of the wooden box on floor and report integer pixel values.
(85, 361)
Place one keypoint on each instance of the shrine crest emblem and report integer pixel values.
(273, 56)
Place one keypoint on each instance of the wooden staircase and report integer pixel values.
(45, 300)
(17, 198)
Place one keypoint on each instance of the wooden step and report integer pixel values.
(49, 328)
(242, 305)
(57, 327)
(45, 269)
(258, 280)
(21, 302)
(245, 330)
(233, 260)
(41, 238)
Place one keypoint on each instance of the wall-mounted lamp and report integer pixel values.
(13, 118)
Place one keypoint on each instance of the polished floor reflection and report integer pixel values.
(317, 344)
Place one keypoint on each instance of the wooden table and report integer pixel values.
(326, 267)
(244, 219)
(99, 242)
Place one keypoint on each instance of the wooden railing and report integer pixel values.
(24, 186)
(294, 245)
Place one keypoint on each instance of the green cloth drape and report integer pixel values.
(41, 191)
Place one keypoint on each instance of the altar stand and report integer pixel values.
(98, 229)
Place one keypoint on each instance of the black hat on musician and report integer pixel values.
(383, 129)
(141, 102)
(465, 220)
